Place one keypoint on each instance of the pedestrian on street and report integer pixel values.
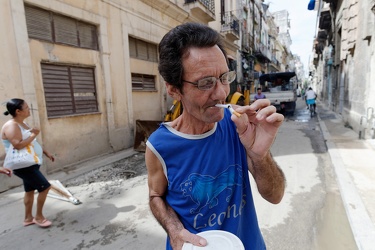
(310, 97)
(198, 164)
(259, 94)
(17, 132)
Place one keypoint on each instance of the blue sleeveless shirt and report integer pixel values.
(208, 180)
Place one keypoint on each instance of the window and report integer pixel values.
(143, 82)
(69, 90)
(142, 50)
(55, 28)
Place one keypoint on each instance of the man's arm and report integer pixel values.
(164, 213)
(268, 176)
(257, 131)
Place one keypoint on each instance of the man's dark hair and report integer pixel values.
(177, 42)
(259, 88)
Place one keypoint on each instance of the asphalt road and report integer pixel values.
(311, 214)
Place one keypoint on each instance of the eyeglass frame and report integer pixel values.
(196, 84)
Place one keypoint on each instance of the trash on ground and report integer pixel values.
(58, 191)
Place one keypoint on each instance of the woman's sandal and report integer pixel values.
(44, 223)
(28, 223)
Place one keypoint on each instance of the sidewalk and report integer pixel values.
(353, 161)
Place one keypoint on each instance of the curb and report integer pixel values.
(360, 222)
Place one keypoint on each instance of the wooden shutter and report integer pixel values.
(38, 23)
(152, 52)
(46, 25)
(65, 30)
(132, 47)
(148, 82)
(57, 90)
(137, 81)
(142, 50)
(84, 90)
(87, 36)
(143, 82)
(68, 90)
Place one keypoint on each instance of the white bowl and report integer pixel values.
(217, 240)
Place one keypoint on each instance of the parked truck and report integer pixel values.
(280, 88)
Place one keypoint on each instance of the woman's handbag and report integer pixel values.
(21, 158)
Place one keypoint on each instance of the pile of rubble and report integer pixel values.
(112, 173)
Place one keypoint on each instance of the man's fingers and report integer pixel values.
(194, 239)
(275, 118)
(265, 112)
(259, 104)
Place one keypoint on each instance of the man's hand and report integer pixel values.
(179, 238)
(258, 128)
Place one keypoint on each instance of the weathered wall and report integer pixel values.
(80, 137)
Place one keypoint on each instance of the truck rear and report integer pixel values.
(280, 88)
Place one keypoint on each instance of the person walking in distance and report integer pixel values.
(259, 94)
(18, 133)
(199, 164)
(310, 97)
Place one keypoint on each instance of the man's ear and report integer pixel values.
(173, 92)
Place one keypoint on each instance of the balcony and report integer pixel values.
(274, 64)
(230, 26)
(203, 10)
(261, 53)
(169, 8)
(334, 2)
(247, 42)
(325, 20)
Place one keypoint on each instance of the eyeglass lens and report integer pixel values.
(210, 82)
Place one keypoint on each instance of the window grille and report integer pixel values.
(143, 82)
(142, 50)
(69, 90)
(55, 28)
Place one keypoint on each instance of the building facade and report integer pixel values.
(88, 69)
(343, 65)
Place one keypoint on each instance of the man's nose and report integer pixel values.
(220, 91)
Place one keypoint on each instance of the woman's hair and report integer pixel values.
(177, 42)
(13, 105)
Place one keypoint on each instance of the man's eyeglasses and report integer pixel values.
(210, 82)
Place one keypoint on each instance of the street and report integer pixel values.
(311, 214)
(114, 213)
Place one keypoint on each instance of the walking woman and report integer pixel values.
(19, 134)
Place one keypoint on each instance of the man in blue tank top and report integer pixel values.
(198, 164)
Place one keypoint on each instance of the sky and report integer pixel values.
(302, 26)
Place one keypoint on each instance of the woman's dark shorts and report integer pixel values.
(32, 178)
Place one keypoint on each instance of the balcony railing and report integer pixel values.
(209, 4)
(230, 23)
